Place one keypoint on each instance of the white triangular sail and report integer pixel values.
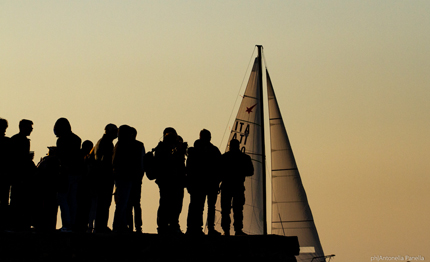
(291, 214)
(247, 129)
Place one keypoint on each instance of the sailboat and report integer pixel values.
(291, 214)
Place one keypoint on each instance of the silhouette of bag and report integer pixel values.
(149, 164)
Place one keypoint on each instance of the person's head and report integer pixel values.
(25, 127)
(62, 127)
(3, 126)
(169, 130)
(124, 133)
(205, 136)
(111, 130)
(87, 145)
(234, 145)
(170, 135)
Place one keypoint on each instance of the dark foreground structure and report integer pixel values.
(19, 247)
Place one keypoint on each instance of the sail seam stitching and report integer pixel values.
(250, 97)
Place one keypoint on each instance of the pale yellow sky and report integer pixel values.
(351, 78)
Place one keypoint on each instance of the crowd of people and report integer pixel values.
(82, 179)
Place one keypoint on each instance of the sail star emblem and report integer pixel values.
(249, 109)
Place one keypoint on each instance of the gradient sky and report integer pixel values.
(351, 77)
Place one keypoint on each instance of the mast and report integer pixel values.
(260, 83)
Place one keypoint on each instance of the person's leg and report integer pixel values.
(238, 202)
(104, 200)
(122, 193)
(226, 198)
(163, 209)
(72, 198)
(176, 199)
(212, 198)
(137, 207)
(195, 212)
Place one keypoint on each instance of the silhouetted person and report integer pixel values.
(235, 167)
(103, 172)
(203, 179)
(85, 188)
(136, 187)
(122, 173)
(170, 168)
(48, 175)
(5, 176)
(68, 151)
(23, 170)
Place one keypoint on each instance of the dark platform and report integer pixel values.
(19, 247)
